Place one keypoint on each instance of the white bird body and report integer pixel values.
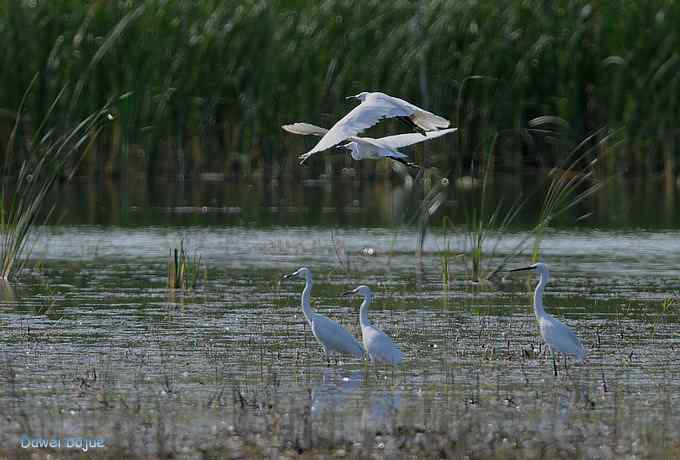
(368, 148)
(332, 336)
(378, 345)
(558, 336)
(373, 108)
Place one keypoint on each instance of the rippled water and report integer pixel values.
(94, 344)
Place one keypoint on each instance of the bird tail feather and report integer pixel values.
(429, 121)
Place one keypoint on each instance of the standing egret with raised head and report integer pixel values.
(332, 336)
(378, 345)
(558, 337)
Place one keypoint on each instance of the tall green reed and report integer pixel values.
(209, 82)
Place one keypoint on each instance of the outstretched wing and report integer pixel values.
(305, 129)
(362, 117)
(373, 149)
(402, 140)
(425, 120)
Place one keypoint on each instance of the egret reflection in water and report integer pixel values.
(339, 388)
(336, 386)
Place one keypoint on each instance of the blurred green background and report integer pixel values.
(203, 86)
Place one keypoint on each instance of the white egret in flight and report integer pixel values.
(367, 148)
(378, 345)
(373, 108)
(558, 337)
(332, 337)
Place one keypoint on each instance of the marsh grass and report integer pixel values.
(576, 178)
(184, 271)
(238, 70)
(342, 257)
(435, 197)
(481, 225)
(49, 155)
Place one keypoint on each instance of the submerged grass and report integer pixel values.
(240, 375)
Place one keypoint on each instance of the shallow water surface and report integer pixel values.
(94, 345)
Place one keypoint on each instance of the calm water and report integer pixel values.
(93, 344)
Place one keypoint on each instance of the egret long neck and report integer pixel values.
(538, 296)
(363, 313)
(306, 294)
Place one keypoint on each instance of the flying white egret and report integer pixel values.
(373, 108)
(379, 346)
(367, 148)
(332, 337)
(558, 337)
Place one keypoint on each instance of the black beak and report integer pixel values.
(285, 277)
(347, 293)
(521, 269)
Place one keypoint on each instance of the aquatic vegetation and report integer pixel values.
(208, 83)
(184, 272)
(40, 156)
(237, 372)
(576, 178)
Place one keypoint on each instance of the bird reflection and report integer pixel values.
(336, 386)
(339, 390)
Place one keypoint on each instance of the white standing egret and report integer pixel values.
(378, 345)
(367, 148)
(373, 108)
(558, 337)
(333, 337)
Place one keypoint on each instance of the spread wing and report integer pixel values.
(428, 121)
(373, 148)
(402, 140)
(305, 129)
(362, 117)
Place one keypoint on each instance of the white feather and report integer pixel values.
(556, 334)
(378, 345)
(364, 148)
(332, 336)
(404, 140)
(373, 108)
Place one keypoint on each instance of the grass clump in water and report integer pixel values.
(184, 271)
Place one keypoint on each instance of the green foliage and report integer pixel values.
(211, 81)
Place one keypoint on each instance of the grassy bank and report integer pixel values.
(203, 86)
